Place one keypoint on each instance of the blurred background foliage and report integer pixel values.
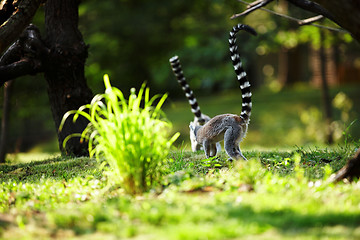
(133, 40)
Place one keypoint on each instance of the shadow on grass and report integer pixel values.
(191, 220)
(56, 168)
(288, 220)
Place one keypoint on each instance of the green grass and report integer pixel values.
(276, 195)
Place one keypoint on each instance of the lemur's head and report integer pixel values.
(194, 127)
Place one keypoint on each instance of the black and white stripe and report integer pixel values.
(176, 67)
(239, 70)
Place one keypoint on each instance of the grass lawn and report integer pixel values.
(275, 195)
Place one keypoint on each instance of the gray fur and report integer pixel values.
(228, 127)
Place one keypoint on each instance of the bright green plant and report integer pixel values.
(132, 136)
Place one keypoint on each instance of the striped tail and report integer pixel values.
(240, 72)
(176, 67)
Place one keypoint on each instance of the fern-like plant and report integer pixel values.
(131, 135)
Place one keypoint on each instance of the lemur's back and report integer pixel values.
(216, 126)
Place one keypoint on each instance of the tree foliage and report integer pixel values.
(133, 41)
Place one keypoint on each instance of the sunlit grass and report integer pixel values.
(28, 157)
(275, 195)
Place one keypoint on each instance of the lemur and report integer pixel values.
(229, 127)
(199, 118)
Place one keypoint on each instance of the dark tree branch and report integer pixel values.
(33, 44)
(12, 54)
(24, 57)
(314, 8)
(18, 69)
(308, 21)
(350, 171)
(304, 4)
(7, 8)
(11, 29)
(346, 14)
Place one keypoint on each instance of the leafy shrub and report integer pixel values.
(132, 136)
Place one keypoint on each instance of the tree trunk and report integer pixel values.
(325, 91)
(64, 70)
(5, 120)
(283, 66)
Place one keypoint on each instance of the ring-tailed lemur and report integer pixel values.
(199, 118)
(229, 127)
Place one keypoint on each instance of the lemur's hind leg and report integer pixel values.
(241, 153)
(231, 143)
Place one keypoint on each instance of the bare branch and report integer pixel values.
(310, 20)
(253, 4)
(252, 7)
